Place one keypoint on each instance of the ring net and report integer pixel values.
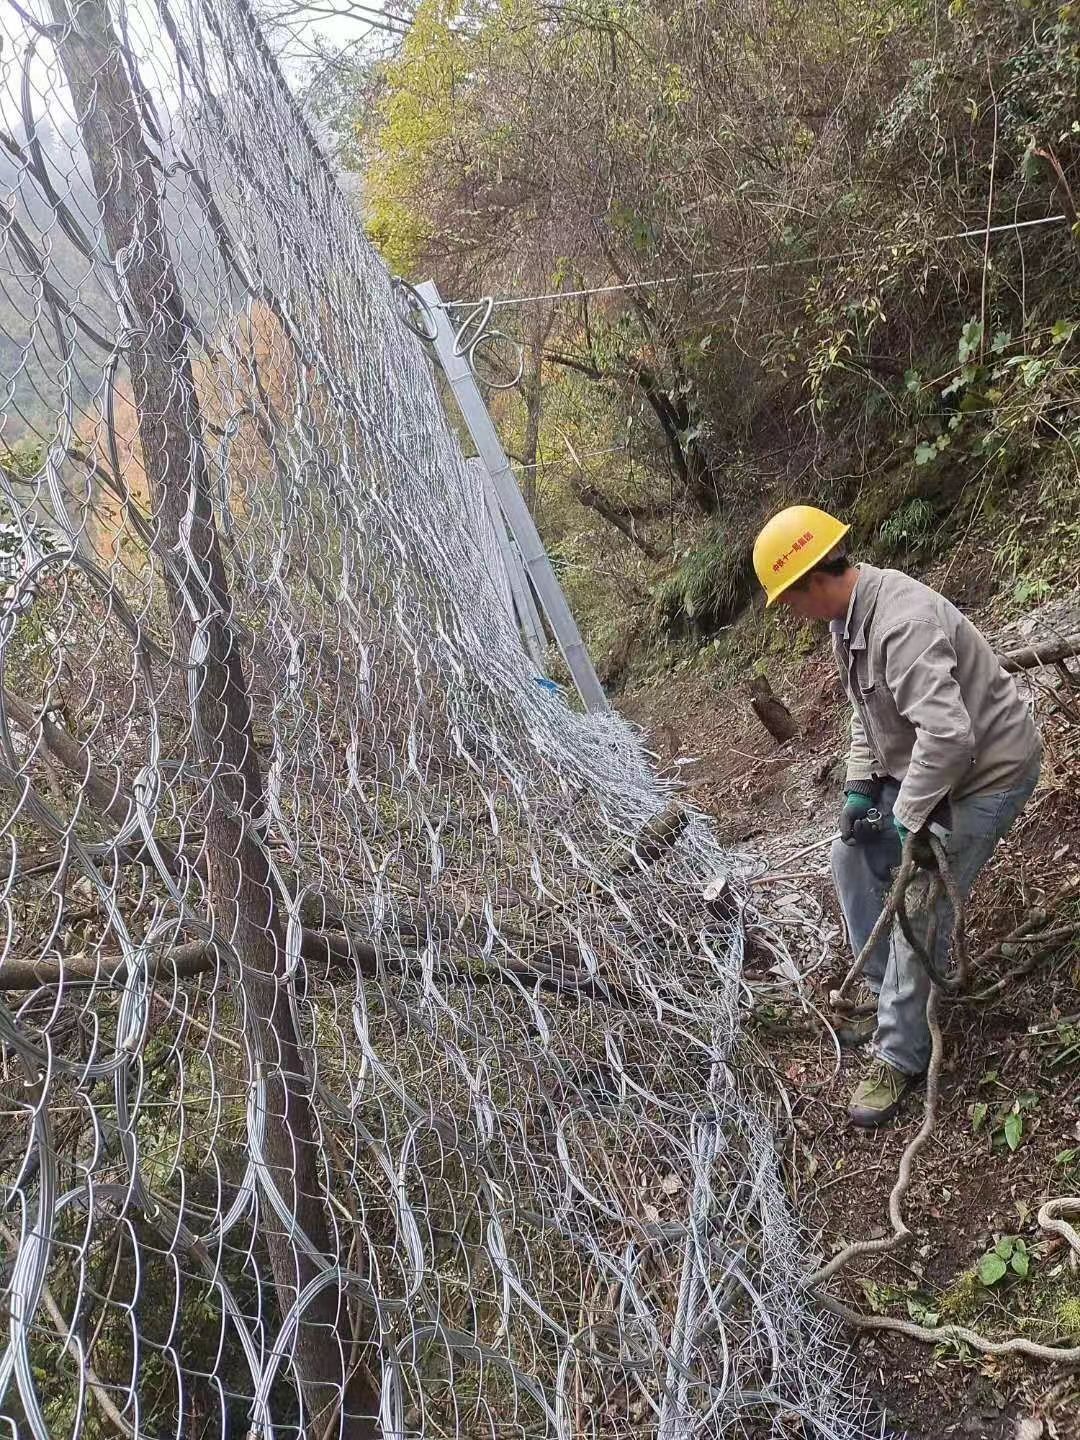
(369, 1057)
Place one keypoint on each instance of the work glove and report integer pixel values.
(859, 799)
(939, 820)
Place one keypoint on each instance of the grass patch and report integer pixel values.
(709, 586)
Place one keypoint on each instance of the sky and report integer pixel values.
(299, 33)
(304, 28)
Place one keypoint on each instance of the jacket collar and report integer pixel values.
(862, 610)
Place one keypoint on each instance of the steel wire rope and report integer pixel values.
(646, 283)
(925, 860)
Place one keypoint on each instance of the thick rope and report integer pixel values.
(941, 883)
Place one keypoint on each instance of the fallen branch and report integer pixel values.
(551, 964)
(658, 836)
(547, 968)
(134, 852)
(1030, 657)
(180, 962)
(103, 792)
(1039, 945)
(1024, 933)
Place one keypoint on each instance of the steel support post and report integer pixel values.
(512, 503)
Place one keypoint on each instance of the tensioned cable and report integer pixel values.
(580, 455)
(693, 278)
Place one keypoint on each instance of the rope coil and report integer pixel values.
(924, 859)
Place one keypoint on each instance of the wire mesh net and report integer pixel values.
(370, 1058)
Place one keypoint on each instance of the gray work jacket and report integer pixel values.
(931, 705)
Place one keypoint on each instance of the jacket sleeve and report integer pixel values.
(920, 673)
(860, 762)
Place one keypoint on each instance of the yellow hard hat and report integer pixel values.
(792, 543)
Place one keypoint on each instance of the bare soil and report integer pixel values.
(971, 1187)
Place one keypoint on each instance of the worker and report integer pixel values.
(941, 741)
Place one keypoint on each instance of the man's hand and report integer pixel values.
(939, 822)
(921, 853)
(853, 823)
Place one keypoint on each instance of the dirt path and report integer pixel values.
(984, 1176)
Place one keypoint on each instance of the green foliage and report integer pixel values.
(1067, 1314)
(1009, 1257)
(1040, 82)
(1004, 1122)
(1064, 1052)
(910, 525)
(927, 451)
(25, 458)
(1038, 540)
(879, 1297)
(970, 341)
(1013, 1128)
(422, 112)
(818, 289)
(991, 1269)
(962, 1298)
(922, 1313)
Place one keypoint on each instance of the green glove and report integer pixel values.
(922, 852)
(856, 808)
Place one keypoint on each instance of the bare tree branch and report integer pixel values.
(595, 499)
(104, 793)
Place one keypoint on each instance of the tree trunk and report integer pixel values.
(241, 891)
(677, 417)
(688, 457)
(533, 396)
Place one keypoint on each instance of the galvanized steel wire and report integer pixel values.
(370, 1060)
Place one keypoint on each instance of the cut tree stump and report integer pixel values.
(771, 711)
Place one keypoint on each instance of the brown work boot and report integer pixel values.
(855, 1030)
(876, 1100)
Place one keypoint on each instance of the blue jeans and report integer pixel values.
(863, 875)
